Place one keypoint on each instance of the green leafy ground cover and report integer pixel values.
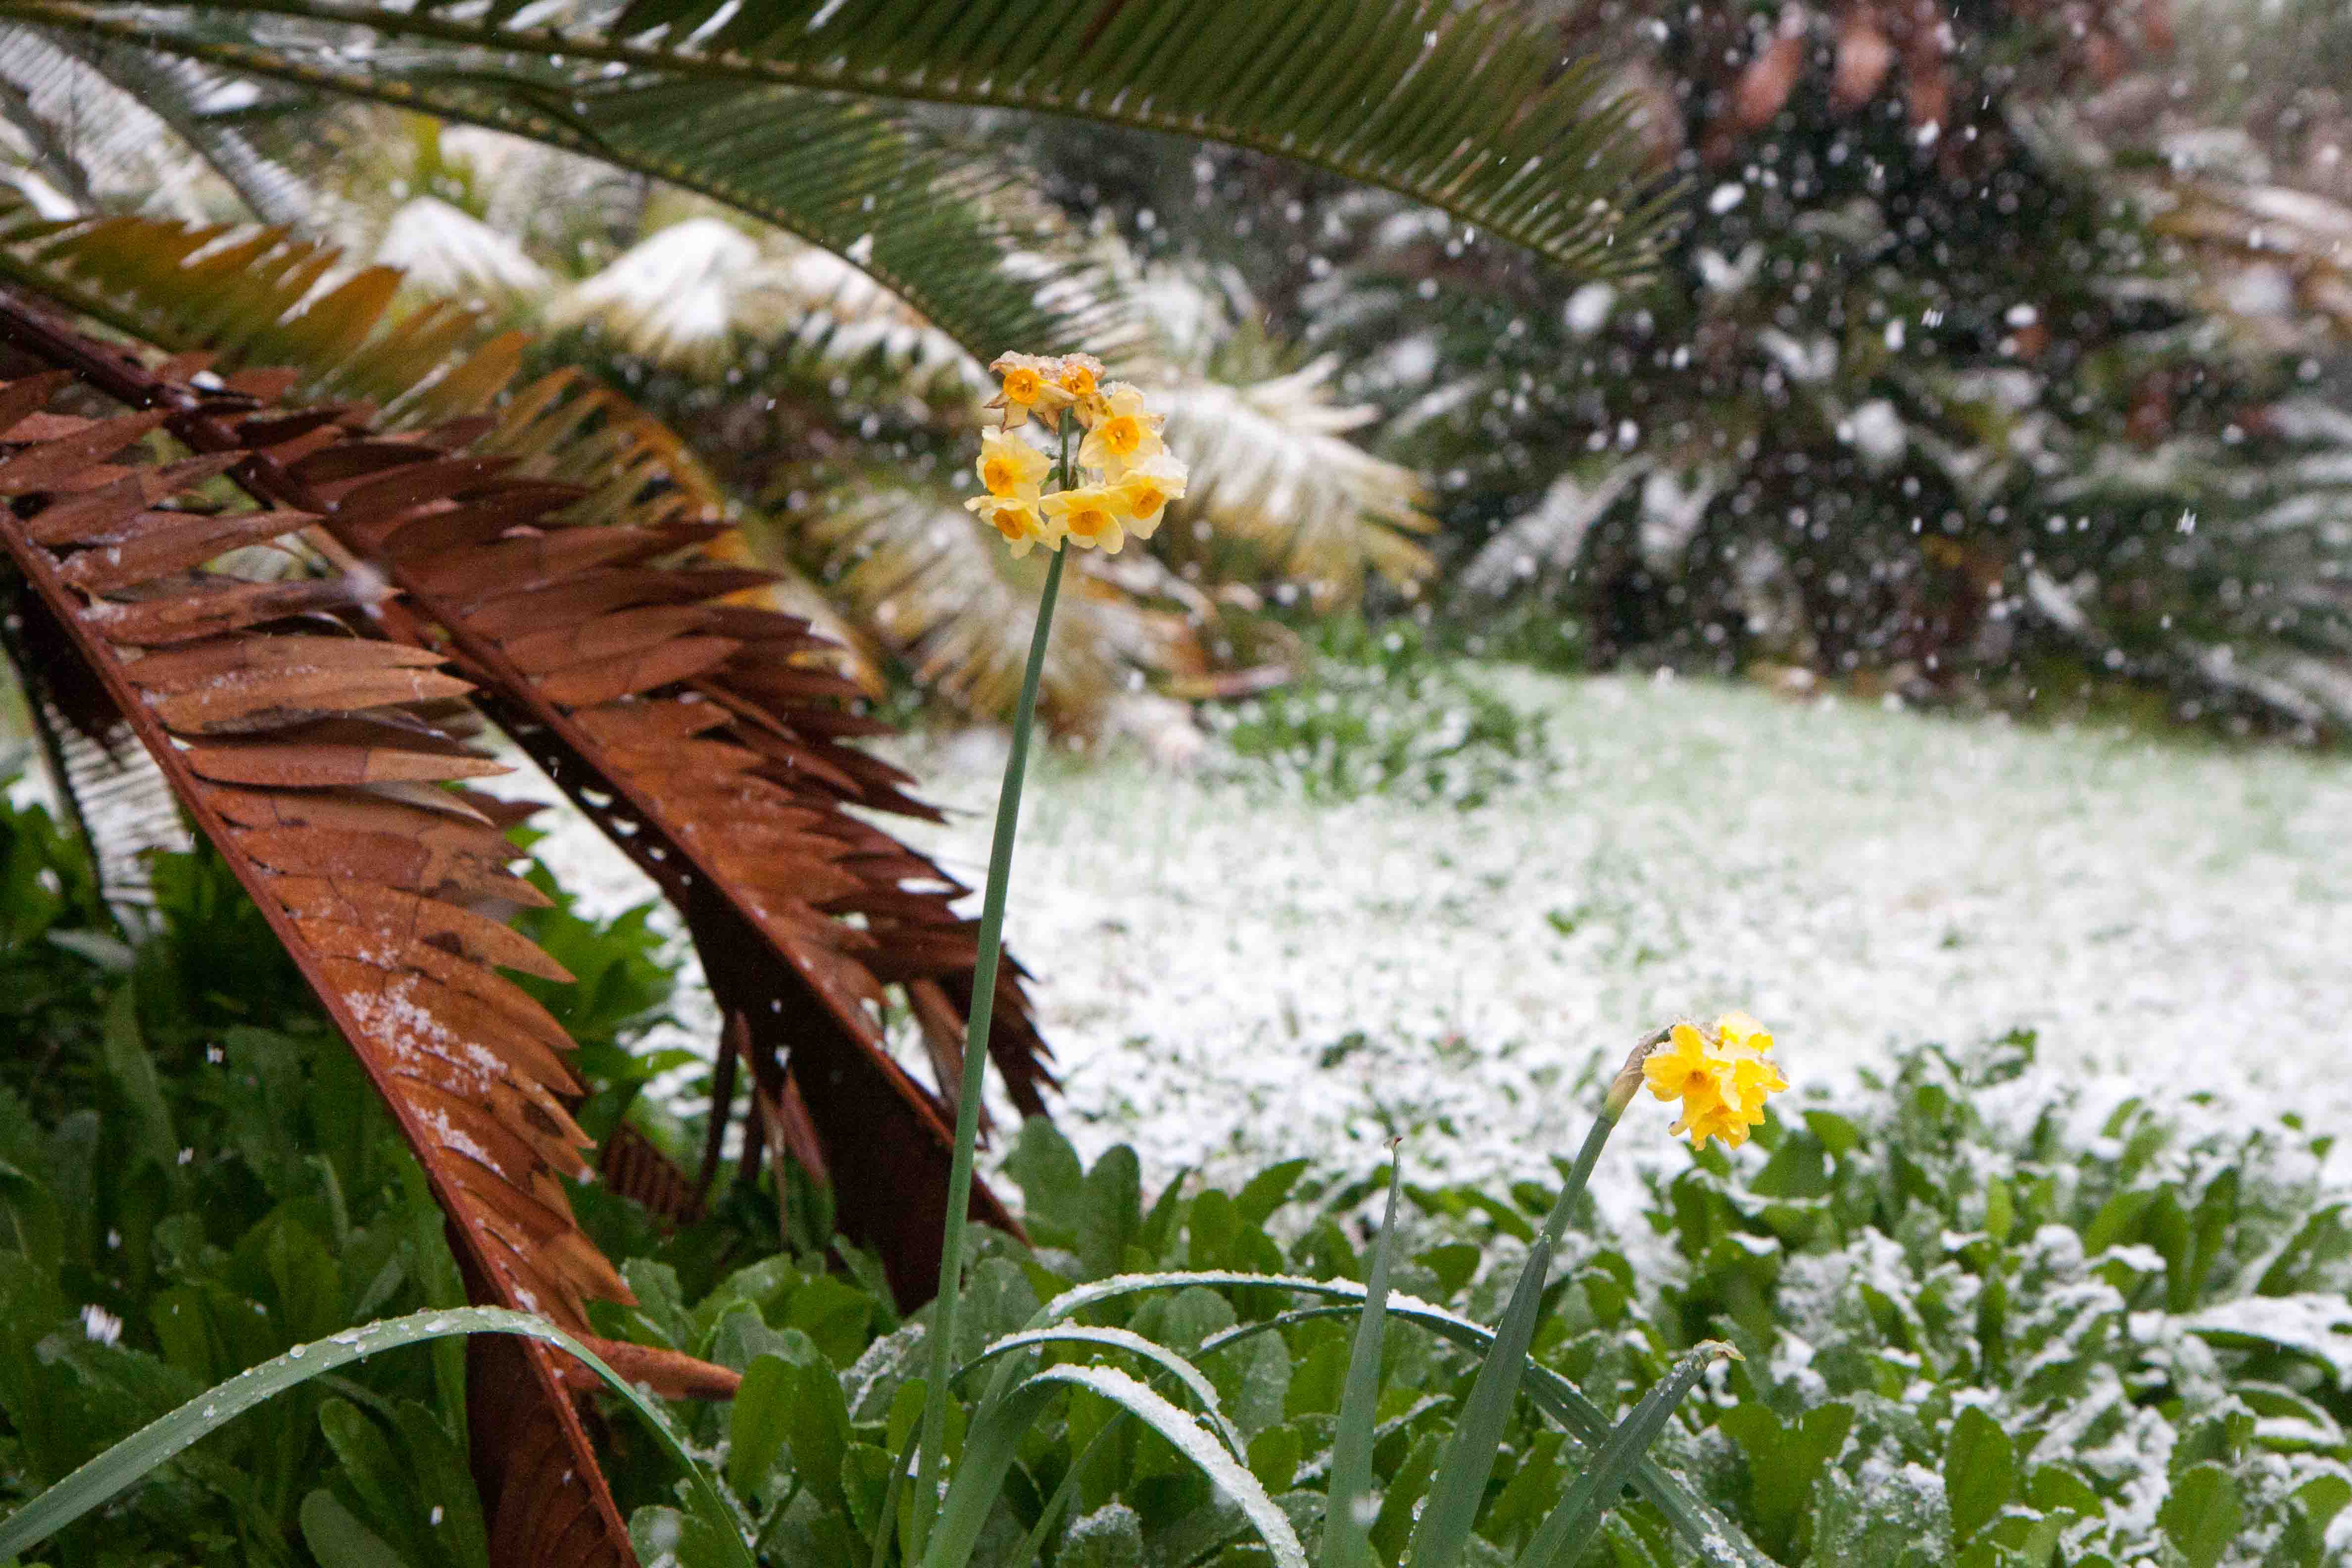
(1982, 1323)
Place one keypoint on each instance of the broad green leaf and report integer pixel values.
(133, 1073)
(757, 1422)
(1110, 1211)
(338, 1540)
(2203, 1514)
(442, 1477)
(1268, 1190)
(1980, 1472)
(32, 1216)
(865, 1486)
(816, 1429)
(836, 1314)
(1048, 1171)
(1111, 1537)
(1783, 1459)
(373, 1472)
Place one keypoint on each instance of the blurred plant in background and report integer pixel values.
(1985, 364)
(1994, 355)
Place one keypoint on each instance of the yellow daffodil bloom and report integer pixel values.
(1722, 1076)
(1703, 1119)
(1081, 377)
(1145, 490)
(1090, 516)
(1019, 518)
(1130, 475)
(1031, 384)
(1011, 467)
(1124, 434)
(1683, 1066)
(1739, 1029)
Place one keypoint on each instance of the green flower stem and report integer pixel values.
(941, 1332)
(1622, 1091)
(1459, 1486)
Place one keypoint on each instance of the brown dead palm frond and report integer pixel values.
(308, 752)
(540, 555)
(608, 489)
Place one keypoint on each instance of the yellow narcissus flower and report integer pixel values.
(1145, 490)
(1090, 515)
(1011, 467)
(1019, 518)
(1124, 433)
(1032, 384)
(1081, 377)
(1722, 1077)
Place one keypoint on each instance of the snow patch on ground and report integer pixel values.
(1228, 975)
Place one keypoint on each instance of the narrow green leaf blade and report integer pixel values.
(1461, 1483)
(1347, 1541)
(1159, 1355)
(128, 1462)
(1556, 1397)
(1572, 1522)
(997, 1430)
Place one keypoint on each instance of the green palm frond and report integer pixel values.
(945, 228)
(1472, 110)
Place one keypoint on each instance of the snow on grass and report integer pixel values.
(1225, 974)
(1229, 975)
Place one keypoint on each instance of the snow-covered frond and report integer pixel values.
(1547, 538)
(684, 295)
(936, 587)
(676, 297)
(1272, 469)
(450, 252)
(842, 315)
(92, 142)
(191, 98)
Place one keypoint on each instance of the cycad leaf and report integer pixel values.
(1272, 472)
(708, 736)
(1472, 110)
(946, 229)
(275, 744)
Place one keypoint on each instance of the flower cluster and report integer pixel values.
(1130, 475)
(1722, 1076)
